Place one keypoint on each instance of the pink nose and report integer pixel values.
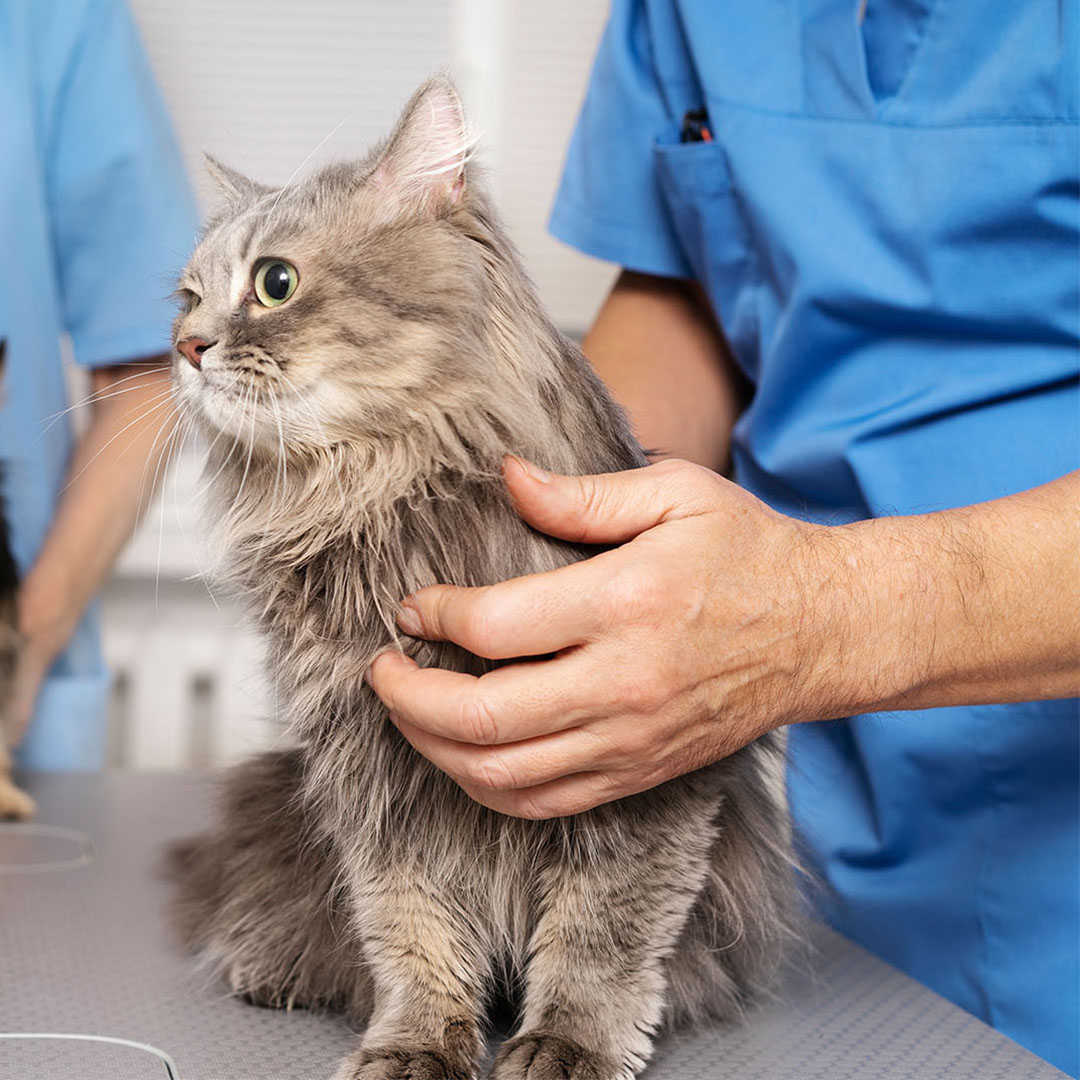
(193, 348)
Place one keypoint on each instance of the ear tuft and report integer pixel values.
(424, 162)
(234, 186)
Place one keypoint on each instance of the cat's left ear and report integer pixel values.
(423, 164)
(237, 189)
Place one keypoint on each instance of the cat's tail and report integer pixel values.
(257, 897)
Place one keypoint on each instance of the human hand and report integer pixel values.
(671, 651)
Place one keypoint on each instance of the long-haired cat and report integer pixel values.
(363, 348)
(14, 802)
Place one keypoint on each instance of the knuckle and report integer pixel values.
(477, 721)
(635, 743)
(686, 479)
(482, 625)
(490, 771)
(430, 604)
(643, 693)
(593, 503)
(534, 807)
(638, 592)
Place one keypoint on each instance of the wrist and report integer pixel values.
(46, 614)
(876, 595)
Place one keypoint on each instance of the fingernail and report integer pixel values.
(408, 619)
(534, 472)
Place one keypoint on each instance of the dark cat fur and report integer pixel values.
(14, 802)
(350, 873)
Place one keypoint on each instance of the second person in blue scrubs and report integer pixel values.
(885, 226)
(95, 221)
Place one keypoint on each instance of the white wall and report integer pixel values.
(268, 85)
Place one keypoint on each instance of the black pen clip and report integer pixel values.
(695, 126)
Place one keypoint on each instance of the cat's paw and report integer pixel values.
(404, 1063)
(539, 1055)
(15, 803)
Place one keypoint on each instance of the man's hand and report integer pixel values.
(670, 651)
(718, 619)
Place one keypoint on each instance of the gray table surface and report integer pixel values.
(84, 950)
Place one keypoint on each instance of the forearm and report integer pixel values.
(976, 605)
(109, 483)
(657, 346)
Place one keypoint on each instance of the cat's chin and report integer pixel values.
(238, 419)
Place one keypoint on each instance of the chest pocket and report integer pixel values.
(705, 213)
(892, 34)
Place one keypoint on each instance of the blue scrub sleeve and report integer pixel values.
(609, 203)
(123, 216)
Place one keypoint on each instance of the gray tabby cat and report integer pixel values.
(364, 347)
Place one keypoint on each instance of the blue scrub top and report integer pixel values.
(886, 224)
(96, 220)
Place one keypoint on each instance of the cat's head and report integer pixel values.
(345, 305)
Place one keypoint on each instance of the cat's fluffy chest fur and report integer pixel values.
(358, 422)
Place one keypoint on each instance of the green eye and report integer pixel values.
(275, 281)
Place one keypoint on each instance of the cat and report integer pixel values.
(14, 802)
(362, 348)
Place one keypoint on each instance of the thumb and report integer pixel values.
(607, 508)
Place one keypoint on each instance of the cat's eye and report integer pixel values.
(190, 299)
(275, 281)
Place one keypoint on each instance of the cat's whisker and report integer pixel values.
(251, 448)
(249, 395)
(315, 149)
(161, 467)
(208, 485)
(162, 462)
(280, 472)
(92, 399)
(319, 427)
(143, 416)
(163, 458)
(300, 400)
(188, 427)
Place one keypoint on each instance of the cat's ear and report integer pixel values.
(423, 164)
(234, 186)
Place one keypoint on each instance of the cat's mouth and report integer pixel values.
(251, 408)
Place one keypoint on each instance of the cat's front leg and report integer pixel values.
(613, 904)
(429, 971)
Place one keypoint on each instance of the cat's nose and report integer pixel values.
(193, 348)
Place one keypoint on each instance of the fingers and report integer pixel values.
(532, 779)
(609, 508)
(544, 613)
(526, 616)
(520, 701)
(511, 766)
(564, 797)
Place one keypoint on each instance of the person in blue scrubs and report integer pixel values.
(95, 221)
(878, 204)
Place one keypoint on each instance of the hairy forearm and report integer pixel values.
(975, 605)
(657, 346)
(109, 483)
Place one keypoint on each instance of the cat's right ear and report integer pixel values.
(234, 186)
(422, 166)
